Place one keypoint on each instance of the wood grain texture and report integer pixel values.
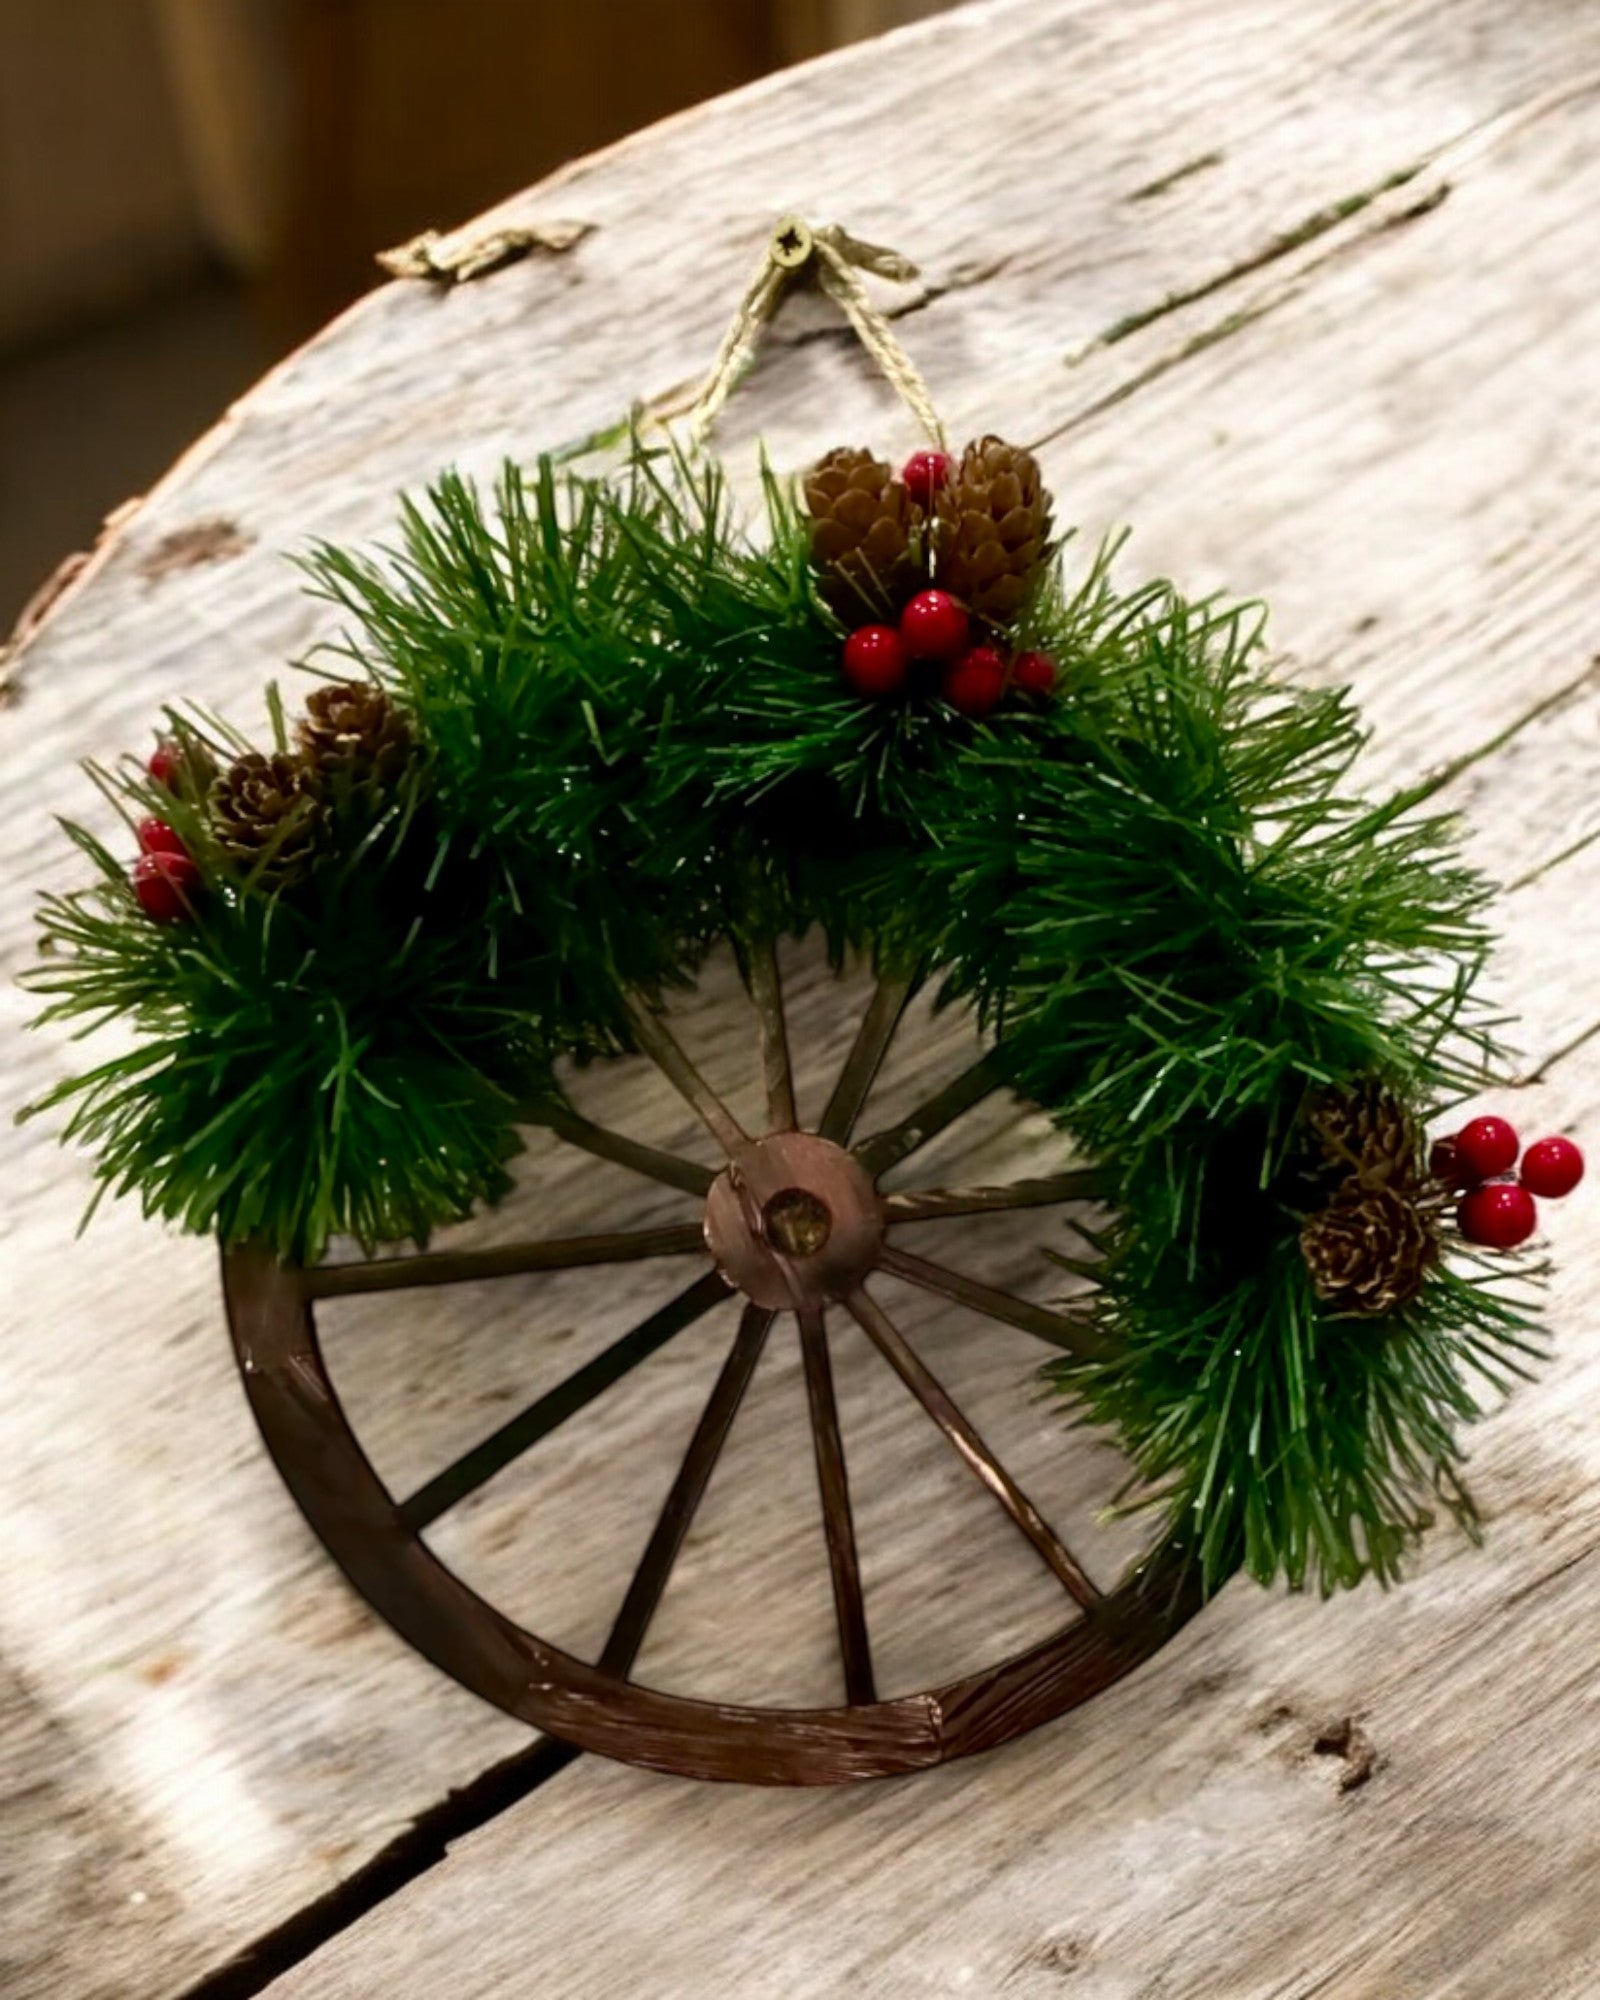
(1304, 291)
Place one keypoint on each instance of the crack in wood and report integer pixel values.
(1323, 222)
(1327, 221)
(394, 1867)
(1164, 183)
(1316, 224)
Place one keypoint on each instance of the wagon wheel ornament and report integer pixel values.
(796, 1224)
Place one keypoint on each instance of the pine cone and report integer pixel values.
(866, 534)
(266, 812)
(354, 736)
(1369, 1250)
(992, 529)
(1364, 1129)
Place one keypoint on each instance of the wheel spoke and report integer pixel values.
(503, 1260)
(686, 1493)
(849, 1606)
(658, 1043)
(1075, 1334)
(940, 1204)
(766, 989)
(479, 1465)
(964, 1439)
(866, 1055)
(888, 1148)
(668, 1168)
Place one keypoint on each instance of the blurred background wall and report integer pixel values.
(190, 187)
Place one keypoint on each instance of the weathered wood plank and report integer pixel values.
(1379, 443)
(67, 1853)
(1116, 1845)
(1457, 1858)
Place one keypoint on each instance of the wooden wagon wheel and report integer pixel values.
(796, 1224)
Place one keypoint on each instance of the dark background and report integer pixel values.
(190, 187)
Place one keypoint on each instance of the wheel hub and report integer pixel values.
(793, 1220)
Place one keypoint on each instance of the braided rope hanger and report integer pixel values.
(833, 259)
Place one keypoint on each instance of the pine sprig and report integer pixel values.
(291, 1080)
(1298, 1445)
(631, 739)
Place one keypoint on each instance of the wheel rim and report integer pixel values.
(794, 1223)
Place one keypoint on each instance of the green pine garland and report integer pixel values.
(631, 740)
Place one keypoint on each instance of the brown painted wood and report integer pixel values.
(885, 1150)
(502, 1260)
(687, 1175)
(518, 1434)
(833, 1486)
(687, 1490)
(657, 1041)
(866, 1055)
(794, 1222)
(766, 989)
(1070, 1331)
(365, 1531)
(942, 1204)
(964, 1439)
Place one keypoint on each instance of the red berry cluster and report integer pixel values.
(935, 629)
(1496, 1210)
(166, 877)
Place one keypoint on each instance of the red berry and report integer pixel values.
(167, 886)
(875, 660)
(1499, 1215)
(924, 473)
(976, 682)
(1486, 1147)
(1034, 673)
(156, 837)
(933, 626)
(1444, 1164)
(1552, 1167)
(166, 765)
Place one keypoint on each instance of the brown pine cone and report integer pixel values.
(353, 734)
(266, 812)
(866, 536)
(1369, 1250)
(1364, 1129)
(992, 530)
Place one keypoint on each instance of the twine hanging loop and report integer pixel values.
(833, 259)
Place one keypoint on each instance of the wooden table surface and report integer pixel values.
(1306, 291)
